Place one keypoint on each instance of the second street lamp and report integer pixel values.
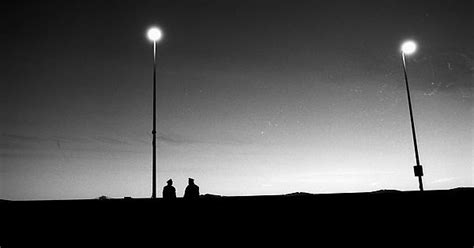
(154, 34)
(408, 48)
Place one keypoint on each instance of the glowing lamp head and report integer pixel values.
(408, 47)
(154, 34)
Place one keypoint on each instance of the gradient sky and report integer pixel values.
(254, 97)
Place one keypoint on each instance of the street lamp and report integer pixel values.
(154, 35)
(409, 47)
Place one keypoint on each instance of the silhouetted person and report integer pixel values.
(169, 192)
(192, 190)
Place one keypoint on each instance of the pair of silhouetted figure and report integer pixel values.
(191, 191)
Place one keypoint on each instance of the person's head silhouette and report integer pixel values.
(169, 192)
(192, 190)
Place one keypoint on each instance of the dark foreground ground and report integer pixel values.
(379, 219)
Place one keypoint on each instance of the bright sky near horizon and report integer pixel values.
(271, 97)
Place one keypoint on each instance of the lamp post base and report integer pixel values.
(418, 169)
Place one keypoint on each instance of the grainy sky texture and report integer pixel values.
(254, 97)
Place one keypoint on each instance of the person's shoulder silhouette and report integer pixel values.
(169, 192)
(192, 190)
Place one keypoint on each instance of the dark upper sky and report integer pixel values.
(254, 97)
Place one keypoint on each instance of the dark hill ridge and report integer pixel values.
(392, 217)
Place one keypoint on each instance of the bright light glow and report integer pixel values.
(408, 47)
(154, 34)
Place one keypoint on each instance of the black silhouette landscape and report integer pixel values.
(383, 218)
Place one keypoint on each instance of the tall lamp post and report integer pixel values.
(154, 34)
(409, 47)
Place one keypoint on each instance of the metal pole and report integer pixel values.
(153, 195)
(418, 167)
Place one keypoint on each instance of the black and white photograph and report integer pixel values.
(322, 123)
